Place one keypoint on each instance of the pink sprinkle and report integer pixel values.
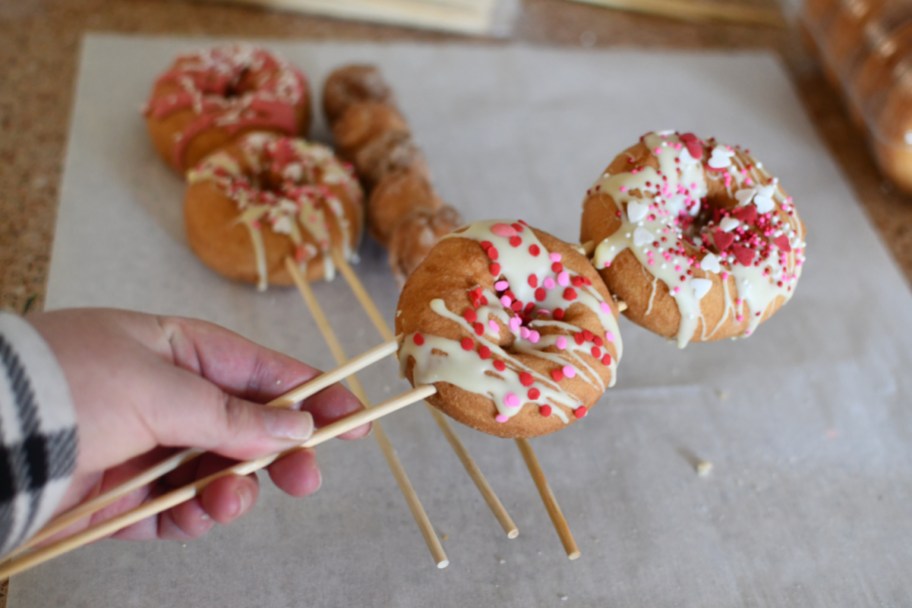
(555, 257)
(561, 342)
(500, 418)
(523, 332)
(609, 336)
(515, 322)
(622, 188)
(605, 307)
(534, 337)
(511, 400)
(506, 300)
(501, 285)
(503, 230)
(563, 279)
(548, 283)
(494, 327)
(569, 371)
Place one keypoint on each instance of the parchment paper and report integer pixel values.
(807, 423)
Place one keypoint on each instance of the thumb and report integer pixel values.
(213, 420)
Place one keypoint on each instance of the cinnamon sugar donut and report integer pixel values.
(266, 197)
(362, 122)
(512, 326)
(395, 196)
(416, 234)
(351, 84)
(209, 98)
(695, 236)
(387, 153)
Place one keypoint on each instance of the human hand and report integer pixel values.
(144, 386)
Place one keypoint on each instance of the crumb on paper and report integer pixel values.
(704, 468)
(721, 394)
(444, 537)
(501, 561)
(563, 598)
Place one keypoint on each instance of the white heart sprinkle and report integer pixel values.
(744, 196)
(728, 224)
(636, 211)
(764, 198)
(641, 236)
(721, 158)
(282, 225)
(710, 263)
(675, 204)
(701, 287)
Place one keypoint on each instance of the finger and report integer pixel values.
(194, 412)
(332, 404)
(297, 474)
(186, 521)
(227, 498)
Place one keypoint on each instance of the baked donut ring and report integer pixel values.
(362, 122)
(695, 236)
(512, 326)
(351, 84)
(208, 98)
(416, 234)
(266, 197)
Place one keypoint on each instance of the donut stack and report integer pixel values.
(404, 213)
(231, 119)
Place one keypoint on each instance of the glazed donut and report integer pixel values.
(397, 195)
(695, 236)
(512, 326)
(362, 122)
(350, 84)
(208, 98)
(416, 234)
(266, 197)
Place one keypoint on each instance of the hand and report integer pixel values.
(144, 385)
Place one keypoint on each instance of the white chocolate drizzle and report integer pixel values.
(532, 293)
(289, 185)
(682, 238)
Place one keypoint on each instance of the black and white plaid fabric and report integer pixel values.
(38, 440)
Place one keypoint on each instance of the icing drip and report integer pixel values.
(531, 293)
(672, 229)
(234, 88)
(286, 184)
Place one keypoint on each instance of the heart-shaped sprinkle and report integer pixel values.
(744, 255)
(747, 215)
(636, 211)
(782, 243)
(693, 144)
(710, 263)
(505, 230)
(720, 158)
(641, 237)
(728, 224)
(723, 239)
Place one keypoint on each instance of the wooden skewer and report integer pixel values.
(688, 10)
(185, 493)
(386, 446)
(588, 248)
(295, 395)
(548, 498)
(481, 482)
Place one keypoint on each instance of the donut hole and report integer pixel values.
(696, 226)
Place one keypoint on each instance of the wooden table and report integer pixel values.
(39, 44)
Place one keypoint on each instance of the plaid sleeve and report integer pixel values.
(38, 441)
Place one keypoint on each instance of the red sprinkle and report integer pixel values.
(492, 252)
(486, 245)
(578, 338)
(470, 315)
(545, 410)
(484, 352)
(526, 379)
(533, 280)
(534, 249)
(557, 375)
(540, 294)
(557, 267)
(479, 329)
(418, 339)
(558, 313)
(606, 360)
(747, 214)
(468, 343)
(534, 393)
(495, 269)
(515, 241)
(499, 365)
(723, 239)
(596, 352)
(694, 145)
(782, 243)
(581, 411)
(570, 294)
(744, 255)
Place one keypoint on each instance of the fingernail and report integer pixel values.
(288, 424)
(243, 501)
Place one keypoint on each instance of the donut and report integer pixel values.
(695, 236)
(512, 326)
(266, 197)
(209, 98)
(416, 234)
(395, 196)
(351, 84)
(362, 122)
(387, 153)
